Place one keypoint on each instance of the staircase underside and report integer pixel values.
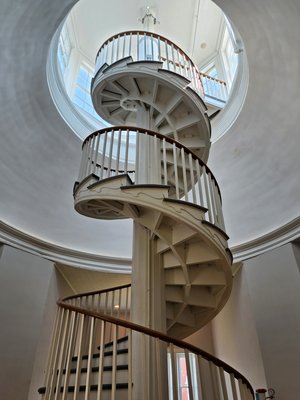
(120, 91)
(196, 266)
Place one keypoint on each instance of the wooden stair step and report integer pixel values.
(83, 388)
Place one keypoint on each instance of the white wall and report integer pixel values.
(203, 339)
(234, 334)
(274, 287)
(25, 281)
(57, 288)
(258, 330)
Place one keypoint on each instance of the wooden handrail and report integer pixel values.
(163, 337)
(78, 296)
(160, 136)
(212, 78)
(150, 34)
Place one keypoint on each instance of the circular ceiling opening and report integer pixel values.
(204, 33)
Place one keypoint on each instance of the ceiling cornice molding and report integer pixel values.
(50, 251)
(283, 235)
(23, 241)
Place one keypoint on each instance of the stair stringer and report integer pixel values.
(190, 303)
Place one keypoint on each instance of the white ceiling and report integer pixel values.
(188, 24)
(257, 163)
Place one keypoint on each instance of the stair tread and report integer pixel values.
(83, 370)
(97, 355)
(92, 388)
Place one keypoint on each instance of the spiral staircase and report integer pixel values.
(125, 342)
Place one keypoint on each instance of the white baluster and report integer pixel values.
(112, 50)
(158, 369)
(114, 364)
(165, 162)
(212, 199)
(82, 164)
(179, 62)
(126, 152)
(118, 47)
(176, 171)
(189, 374)
(192, 177)
(174, 372)
(96, 153)
(90, 357)
(129, 364)
(103, 155)
(173, 58)
(124, 45)
(152, 48)
(50, 381)
(145, 47)
(101, 360)
(201, 384)
(69, 356)
(159, 48)
(199, 183)
(184, 174)
(233, 387)
(79, 356)
(223, 384)
(167, 55)
(126, 304)
(130, 44)
(118, 151)
(208, 206)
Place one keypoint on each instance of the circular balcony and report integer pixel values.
(149, 46)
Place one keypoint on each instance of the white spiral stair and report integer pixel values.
(150, 168)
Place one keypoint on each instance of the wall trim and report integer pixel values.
(50, 251)
(53, 252)
(278, 237)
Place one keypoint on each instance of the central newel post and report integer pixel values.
(148, 303)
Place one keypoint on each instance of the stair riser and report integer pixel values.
(121, 377)
(122, 359)
(121, 394)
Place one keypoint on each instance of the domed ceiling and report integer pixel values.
(256, 164)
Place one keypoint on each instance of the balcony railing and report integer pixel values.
(116, 151)
(215, 90)
(148, 46)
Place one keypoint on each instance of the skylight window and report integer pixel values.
(82, 97)
(63, 52)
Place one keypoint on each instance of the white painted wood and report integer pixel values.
(174, 372)
(101, 358)
(223, 384)
(79, 355)
(189, 374)
(90, 355)
(129, 364)
(176, 171)
(233, 387)
(52, 352)
(69, 355)
(114, 364)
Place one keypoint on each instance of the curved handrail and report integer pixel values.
(161, 336)
(150, 34)
(106, 152)
(84, 294)
(158, 135)
(181, 60)
(213, 78)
